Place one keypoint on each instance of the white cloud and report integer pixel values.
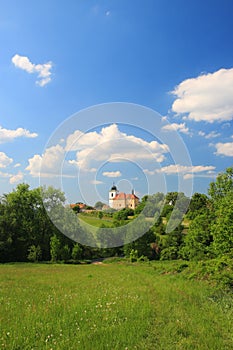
(43, 71)
(16, 178)
(17, 165)
(13, 178)
(112, 145)
(4, 175)
(225, 149)
(186, 171)
(208, 97)
(176, 127)
(164, 118)
(49, 164)
(7, 135)
(210, 135)
(4, 160)
(96, 182)
(188, 176)
(112, 173)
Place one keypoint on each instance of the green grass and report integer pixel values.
(94, 221)
(112, 306)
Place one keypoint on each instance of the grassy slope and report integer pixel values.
(108, 307)
(94, 221)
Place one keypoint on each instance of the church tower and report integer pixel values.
(112, 194)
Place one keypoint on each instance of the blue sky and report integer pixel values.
(58, 58)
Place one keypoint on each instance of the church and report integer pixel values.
(120, 200)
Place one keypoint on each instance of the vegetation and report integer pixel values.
(202, 231)
(112, 306)
(156, 296)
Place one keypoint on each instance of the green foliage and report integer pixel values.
(34, 253)
(76, 252)
(99, 205)
(65, 253)
(123, 214)
(218, 270)
(76, 209)
(55, 246)
(23, 223)
(198, 239)
(222, 186)
(198, 205)
(133, 255)
(211, 231)
(169, 253)
(222, 228)
(100, 215)
(27, 233)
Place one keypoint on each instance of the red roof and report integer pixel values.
(123, 196)
(131, 196)
(81, 205)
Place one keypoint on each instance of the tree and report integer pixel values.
(55, 246)
(20, 221)
(198, 205)
(221, 192)
(197, 243)
(222, 228)
(222, 186)
(142, 245)
(100, 215)
(123, 214)
(34, 253)
(99, 205)
(171, 243)
(76, 209)
(76, 252)
(65, 252)
(141, 205)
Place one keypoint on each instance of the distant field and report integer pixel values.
(112, 306)
(91, 220)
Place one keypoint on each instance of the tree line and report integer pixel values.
(183, 228)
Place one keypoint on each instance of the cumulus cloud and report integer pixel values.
(16, 178)
(43, 71)
(4, 160)
(176, 127)
(186, 171)
(49, 164)
(13, 178)
(209, 97)
(224, 149)
(210, 135)
(112, 173)
(7, 135)
(110, 144)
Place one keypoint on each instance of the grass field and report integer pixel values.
(109, 306)
(94, 221)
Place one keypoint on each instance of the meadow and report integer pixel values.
(109, 306)
(95, 221)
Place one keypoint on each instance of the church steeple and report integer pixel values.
(112, 194)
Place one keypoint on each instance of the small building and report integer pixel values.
(120, 200)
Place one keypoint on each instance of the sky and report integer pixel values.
(136, 93)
